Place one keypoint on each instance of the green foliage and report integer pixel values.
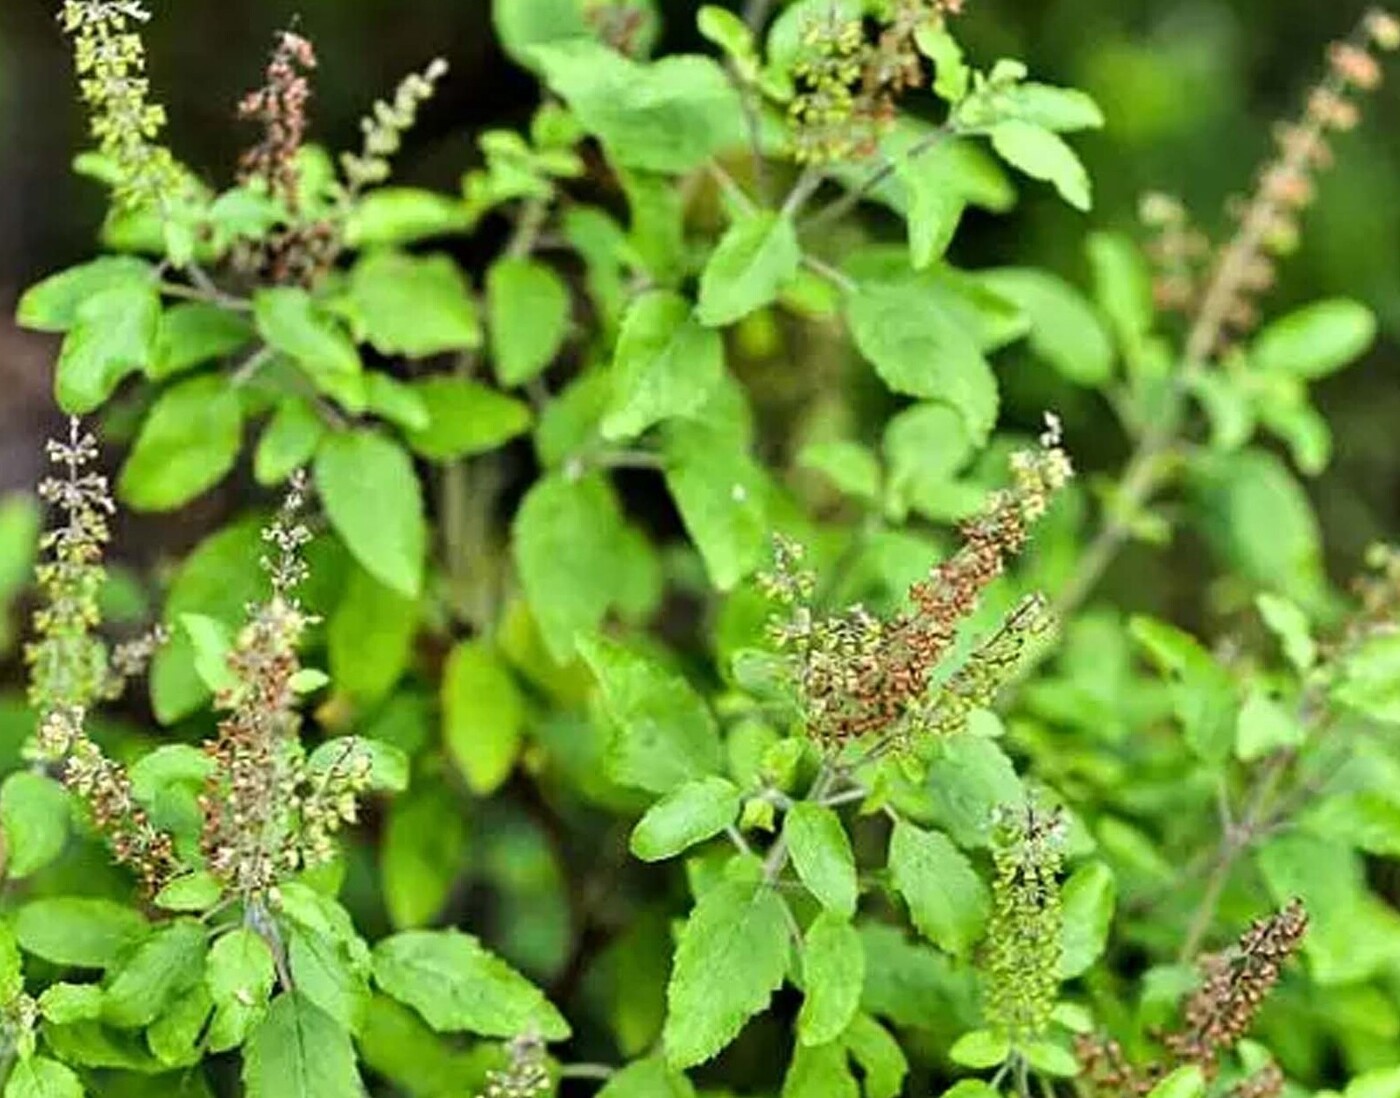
(717, 681)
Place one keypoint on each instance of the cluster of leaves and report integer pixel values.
(537, 691)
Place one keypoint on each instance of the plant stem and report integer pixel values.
(731, 187)
(1141, 479)
(806, 186)
(776, 861)
(852, 198)
(586, 1071)
(261, 921)
(211, 296)
(527, 230)
(248, 369)
(830, 273)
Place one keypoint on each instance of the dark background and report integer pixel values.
(1191, 89)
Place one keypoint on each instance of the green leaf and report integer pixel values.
(730, 958)
(754, 260)
(168, 962)
(689, 814)
(952, 73)
(664, 734)
(721, 493)
(194, 333)
(918, 345)
(1258, 518)
(936, 179)
(666, 365)
(188, 443)
(374, 502)
(78, 931)
(668, 116)
(1286, 412)
(396, 1044)
(925, 446)
(65, 1003)
(522, 25)
(982, 1048)
(421, 854)
(1122, 287)
(1051, 1059)
(647, 1079)
(308, 680)
(240, 971)
(395, 401)
(1203, 693)
(56, 303)
(1042, 154)
(113, 336)
(1316, 340)
(567, 542)
(291, 322)
(20, 524)
(1185, 1082)
(1352, 934)
(528, 309)
(404, 215)
(40, 1077)
(1367, 820)
(412, 305)
(332, 971)
(177, 1037)
(833, 974)
(727, 31)
(289, 441)
(213, 642)
(969, 779)
(299, 1051)
(196, 891)
(370, 637)
(1065, 330)
(1370, 679)
(1088, 898)
(878, 1055)
(848, 465)
(1264, 726)
(457, 985)
(483, 715)
(820, 1073)
(821, 854)
(1062, 110)
(465, 417)
(34, 815)
(385, 766)
(947, 900)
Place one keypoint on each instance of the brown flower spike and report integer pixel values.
(1224, 300)
(266, 813)
(859, 675)
(301, 251)
(1234, 985)
(68, 663)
